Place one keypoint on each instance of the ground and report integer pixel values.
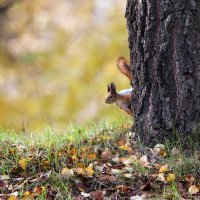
(96, 161)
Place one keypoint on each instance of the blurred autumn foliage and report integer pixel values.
(56, 59)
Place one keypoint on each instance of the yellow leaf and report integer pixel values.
(106, 137)
(81, 165)
(90, 170)
(45, 163)
(164, 169)
(66, 172)
(193, 189)
(162, 153)
(79, 171)
(73, 151)
(170, 177)
(125, 148)
(26, 194)
(12, 197)
(74, 157)
(92, 156)
(23, 163)
(123, 159)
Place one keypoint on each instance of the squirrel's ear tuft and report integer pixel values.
(113, 88)
(108, 88)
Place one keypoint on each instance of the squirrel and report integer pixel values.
(124, 67)
(122, 98)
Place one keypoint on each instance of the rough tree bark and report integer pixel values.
(164, 42)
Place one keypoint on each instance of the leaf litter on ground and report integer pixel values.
(102, 167)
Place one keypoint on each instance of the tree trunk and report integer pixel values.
(164, 42)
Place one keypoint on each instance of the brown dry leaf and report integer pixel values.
(90, 170)
(125, 148)
(161, 177)
(98, 195)
(171, 177)
(144, 161)
(92, 156)
(23, 163)
(189, 178)
(193, 189)
(39, 190)
(163, 169)
(146, 186)
(123, 188)
(175, 152)
(121, 142)
(157, 166)
(107, 178)
(106, 155)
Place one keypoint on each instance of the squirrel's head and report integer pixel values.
(111, 97)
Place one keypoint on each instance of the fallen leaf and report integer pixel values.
(39, 190)
(121, 142)
(73, 151)
(161, 177)
(23, 163)
(107, 178)
(26, 194)
(98, 195)
(170, 177)
(66, 172)
(45, 163)
(193, 189)
(123, 188)
(157, 166)
(125, 148)
(137, 197)
(175, 152)
(116, 171)
(12, 197)
(90, 170)
(127, 175)
(163, 169)
(146, 186)
(4, 177)
(85, 194)
(106, 155)
(131, 160)
(160, 150)
(189, 178)
(92, 156)
(144, 161)
(79, 171)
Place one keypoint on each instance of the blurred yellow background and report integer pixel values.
(56, 59)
